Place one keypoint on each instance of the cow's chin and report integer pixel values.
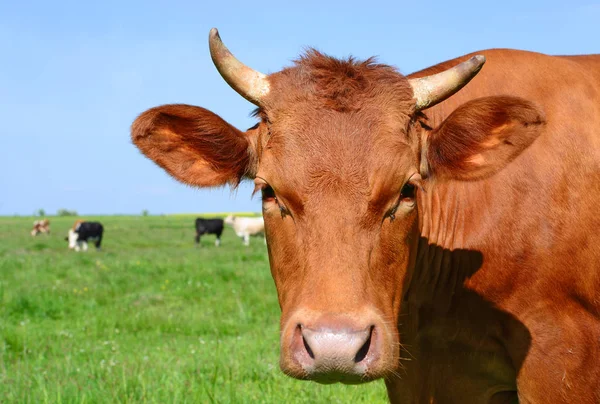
(349, 349)
(296, 371)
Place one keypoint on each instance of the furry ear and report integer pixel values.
(194, 145)
(481, 137)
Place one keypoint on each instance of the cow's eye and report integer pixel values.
(407, 196)
(408, 192)
(268, 195)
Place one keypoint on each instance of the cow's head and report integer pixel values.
(339, 153)
(72, 238)
(230, 220)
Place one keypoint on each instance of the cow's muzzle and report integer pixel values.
(331, 348)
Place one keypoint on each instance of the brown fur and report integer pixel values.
(174, 135)
(342, 85)
(488, 284)
(498, 129)
(41, 226)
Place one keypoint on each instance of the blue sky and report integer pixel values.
(75, 74)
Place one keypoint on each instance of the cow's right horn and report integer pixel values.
(249, 83)
(433, 89)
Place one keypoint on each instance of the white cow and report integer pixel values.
(245, 227)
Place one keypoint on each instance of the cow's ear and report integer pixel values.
(481, 137)
(194, 145)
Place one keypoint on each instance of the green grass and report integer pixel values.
(151, 318)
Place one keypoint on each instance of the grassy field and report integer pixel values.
(150, 318)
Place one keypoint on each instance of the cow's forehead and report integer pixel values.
(316, 151)
(316, 134)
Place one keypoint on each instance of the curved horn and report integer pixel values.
(436, 88)
(249, 83)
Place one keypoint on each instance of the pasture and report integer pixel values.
(150, 318)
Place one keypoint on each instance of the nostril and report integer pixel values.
(300, 333)
(364, 350)
(307, 347)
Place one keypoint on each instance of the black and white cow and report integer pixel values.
(82, 232)
(209, 226)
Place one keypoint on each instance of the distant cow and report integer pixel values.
(245, 227)
(209, 226)
(40, 226)
(82, 232)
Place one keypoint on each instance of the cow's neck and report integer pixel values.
(446, 253)
(447, 326)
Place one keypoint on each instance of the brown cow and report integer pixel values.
(448, 246)
(40, 226)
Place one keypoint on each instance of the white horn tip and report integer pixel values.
(478, 60)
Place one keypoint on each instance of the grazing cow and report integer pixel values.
(446, 242)
(209, 226)
(82, 232)
(40, 226)
(245, 227)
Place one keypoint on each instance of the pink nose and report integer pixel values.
(333, 351)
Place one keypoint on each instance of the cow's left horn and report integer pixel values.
(249, 83)
(430, 90)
